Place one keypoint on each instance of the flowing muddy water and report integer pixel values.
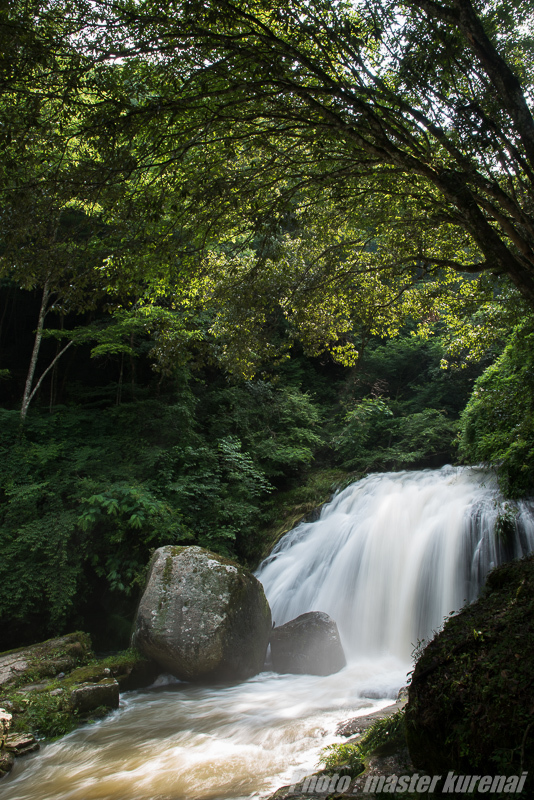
(197, 743)
(388, 559)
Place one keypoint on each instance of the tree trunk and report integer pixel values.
(29, 392)
(27, 396)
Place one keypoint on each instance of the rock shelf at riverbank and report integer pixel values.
(48, 688)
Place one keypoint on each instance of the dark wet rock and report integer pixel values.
(137, 674)
(403, 693)
(309, 644)
(90, 696)
(6, 762)
(386, 766)
(202, 616)
(358, 725)
(289, 793)
(21, 744)
(470, 705)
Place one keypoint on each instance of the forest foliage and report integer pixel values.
(497, 424)
(92, 484)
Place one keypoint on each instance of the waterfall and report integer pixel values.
(395, 553)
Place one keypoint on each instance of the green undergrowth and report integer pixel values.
(50, 717)
(46, 716)
(386, 737)
(87, 495)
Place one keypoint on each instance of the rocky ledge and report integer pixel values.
(48, 688)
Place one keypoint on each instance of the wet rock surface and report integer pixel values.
(308, 644)
(202, 616)
(21, 744)
(90, 696)
(45, 659)
(378, 765)
(359, 725)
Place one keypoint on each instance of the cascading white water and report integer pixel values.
(394, 554)
(388, 559)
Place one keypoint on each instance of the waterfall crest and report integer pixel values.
(393, 554)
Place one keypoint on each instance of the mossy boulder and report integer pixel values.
(202, 616)
(470, 705)
(89, 696)
(129, 668)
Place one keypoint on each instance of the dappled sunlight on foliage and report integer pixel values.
(497, 426)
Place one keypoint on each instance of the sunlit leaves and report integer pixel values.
(497, 426)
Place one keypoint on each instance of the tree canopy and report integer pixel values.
(342, 166)
(415, 116)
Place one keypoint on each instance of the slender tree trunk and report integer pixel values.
(29, 392)
(27, 396)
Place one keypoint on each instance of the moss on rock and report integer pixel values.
(202, 616)
(470, 702)
(45, 659)
(52, 686)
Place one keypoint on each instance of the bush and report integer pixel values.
(87, 495)
(497, 426)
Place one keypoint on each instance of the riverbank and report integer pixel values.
(49, 688)
(367, 754)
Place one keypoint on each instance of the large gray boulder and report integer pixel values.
(202, 616)
(309, 644)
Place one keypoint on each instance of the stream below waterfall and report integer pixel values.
(389, 558)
